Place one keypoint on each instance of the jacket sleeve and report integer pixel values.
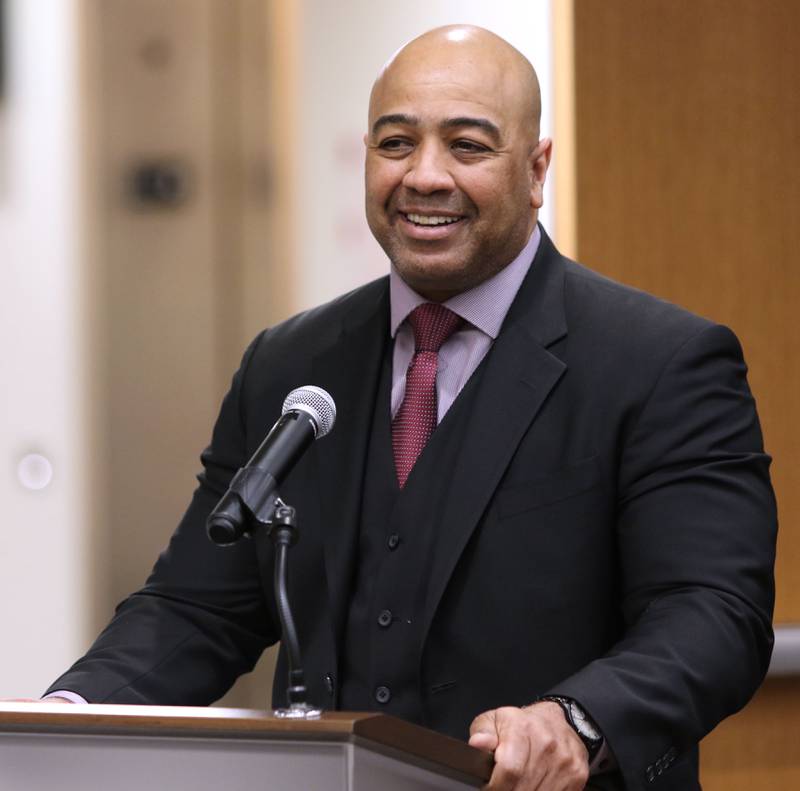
(201, 619)
(696, 528)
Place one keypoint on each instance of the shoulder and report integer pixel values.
(282, 357)
(612, 315)
(317, 328)
(601, 300)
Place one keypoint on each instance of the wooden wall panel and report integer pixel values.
(687, 131)
(757, 749)
(687, 146)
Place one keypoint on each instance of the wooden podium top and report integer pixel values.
(379, 732)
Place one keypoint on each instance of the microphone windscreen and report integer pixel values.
(316, 403)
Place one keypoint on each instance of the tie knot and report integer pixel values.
(433, 324)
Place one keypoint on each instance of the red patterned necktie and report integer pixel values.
(415, 421)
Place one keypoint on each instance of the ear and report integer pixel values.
(538, 162)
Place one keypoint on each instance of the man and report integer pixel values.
(590, 522)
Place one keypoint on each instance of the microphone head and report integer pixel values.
(316, 403)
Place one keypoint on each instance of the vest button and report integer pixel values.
(393, 541)
(383, 694)
(385, 618)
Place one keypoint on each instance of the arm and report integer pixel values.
(695, 532)
(201, 619)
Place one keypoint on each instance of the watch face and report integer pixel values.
(582, 724)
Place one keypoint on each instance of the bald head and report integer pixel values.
(467, 52)
(455, 169)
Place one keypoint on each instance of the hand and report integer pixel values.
(54, 699)
(535, 749)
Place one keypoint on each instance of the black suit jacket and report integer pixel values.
(610, 536)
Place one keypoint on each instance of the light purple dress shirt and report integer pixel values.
(484, 308)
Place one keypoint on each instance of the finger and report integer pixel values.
(512, 757)
(483, 731)
(483, 741)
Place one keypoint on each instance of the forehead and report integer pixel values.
(435, 90)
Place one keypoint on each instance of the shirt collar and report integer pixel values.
(484, 306)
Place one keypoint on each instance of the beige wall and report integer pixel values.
(47, 545)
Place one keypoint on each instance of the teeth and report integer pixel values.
(425, 219)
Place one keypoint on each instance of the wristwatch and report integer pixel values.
(580, 722)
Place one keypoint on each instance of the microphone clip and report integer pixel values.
(249, 503)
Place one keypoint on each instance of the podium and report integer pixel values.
(153, 748)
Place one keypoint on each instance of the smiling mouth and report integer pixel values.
(427, 220)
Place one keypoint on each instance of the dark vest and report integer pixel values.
(382, 647)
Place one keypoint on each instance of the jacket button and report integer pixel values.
(383, 694)
(393, 541)
(385, 618)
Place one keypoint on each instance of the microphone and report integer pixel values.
(308, 413)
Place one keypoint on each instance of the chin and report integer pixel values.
(435, 278)
(430, 270)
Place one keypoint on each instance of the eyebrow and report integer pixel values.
(481, 123)
(395, 118)
(451, 123)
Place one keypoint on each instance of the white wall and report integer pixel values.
(44, 566)
(342, 46)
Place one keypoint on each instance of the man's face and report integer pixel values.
(454, 173)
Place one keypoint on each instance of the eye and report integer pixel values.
(462, 146)
(395, 145)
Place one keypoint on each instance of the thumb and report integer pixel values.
(483, 731)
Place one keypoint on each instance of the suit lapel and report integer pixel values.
(519, 373)
(350, 369)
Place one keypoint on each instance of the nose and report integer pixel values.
(428, 170)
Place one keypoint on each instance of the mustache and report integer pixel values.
(458, 203)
